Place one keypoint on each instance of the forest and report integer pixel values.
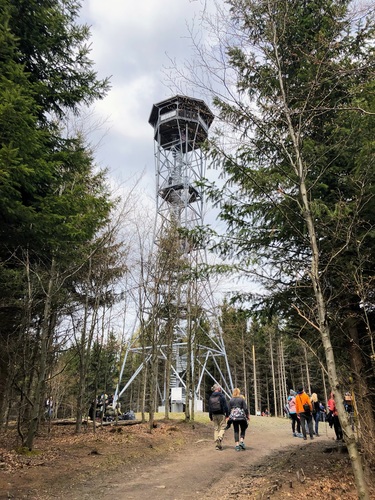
(291, 85)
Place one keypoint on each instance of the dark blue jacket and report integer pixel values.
(224, 407)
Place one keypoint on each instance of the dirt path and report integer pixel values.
(199, 471)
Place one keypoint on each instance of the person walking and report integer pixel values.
(323, 414)
(49, 407)
(291, 401)
(239, 415)
(331, 405)
(304, 411)
(316, 412)
(218, 413)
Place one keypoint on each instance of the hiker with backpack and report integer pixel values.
(218, 413)
(293, 413)
(239, 415)
(304, 411)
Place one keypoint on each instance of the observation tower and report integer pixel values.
(190, 348)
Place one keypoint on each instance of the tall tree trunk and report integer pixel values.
(256, 402)
(193, 373)
(144, 389)
(243, 345)
(188, 389)
(45, 338)
(153, 389)
(324, 387)
(273, 376)
(84, 352)
(268, 395)
(308, 384)
(153, 370)
(279, 378)
(284, 384)
(363, 401)
(168, 365)
(188, 355)
(325, 333)
(315, 274)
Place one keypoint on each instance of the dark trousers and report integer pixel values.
(309, 419)
(337, 427)
(295, 420)
(237, 424)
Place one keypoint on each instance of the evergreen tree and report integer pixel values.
(52, 202)
(295, 199)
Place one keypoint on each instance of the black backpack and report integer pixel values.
(215, 404)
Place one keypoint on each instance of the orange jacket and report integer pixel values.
(302, 399)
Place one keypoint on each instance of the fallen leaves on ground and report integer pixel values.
(315, 470)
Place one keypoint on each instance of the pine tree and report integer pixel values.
(295, 199)
(52, 202)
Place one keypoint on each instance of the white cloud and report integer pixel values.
(127, 111)
(130, 41)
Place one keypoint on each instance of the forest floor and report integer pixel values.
(177, 461)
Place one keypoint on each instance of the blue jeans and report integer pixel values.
(317, 420)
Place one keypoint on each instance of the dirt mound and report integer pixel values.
(318, 470)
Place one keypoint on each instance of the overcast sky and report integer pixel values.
(132, 42)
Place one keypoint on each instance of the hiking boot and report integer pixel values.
(311, 437)
(242, 445)
(305, 438)
(237, 448)
(219, 446)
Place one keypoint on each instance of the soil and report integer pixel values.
(177, 461)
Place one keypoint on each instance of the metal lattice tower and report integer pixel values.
(181, 126)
